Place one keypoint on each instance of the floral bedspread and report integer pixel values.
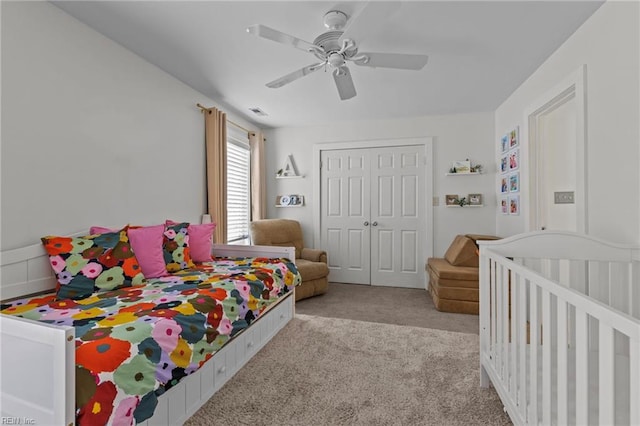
(134, 343)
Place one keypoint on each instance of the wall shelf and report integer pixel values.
(467, 205)
(290, 177)
(463, 174)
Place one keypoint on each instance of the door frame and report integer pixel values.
(426, 142)
(572, 87)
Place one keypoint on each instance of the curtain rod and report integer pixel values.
(203, 109)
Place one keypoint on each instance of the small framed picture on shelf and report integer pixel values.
(513, 138)
(293, 200)
(475, 199)
(462, 166)
(514, 159)
(504, 164)
(504, 205)
(504, 144)
(514, 182)
(451, 199)
(514, 204)
(504, 184)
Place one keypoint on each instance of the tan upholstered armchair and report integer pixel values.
(311, 263)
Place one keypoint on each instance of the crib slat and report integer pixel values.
(534, 341)
(606, 375)
(562, 362)
(492, 336)
(546, 357)
(505, 329)
(499, 323)
(522, 345)
(514, 335)
(582, 368)
(634, 380)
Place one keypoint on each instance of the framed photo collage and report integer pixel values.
(510, 173)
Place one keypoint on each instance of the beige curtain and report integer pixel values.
(258, 176)
(215, 130)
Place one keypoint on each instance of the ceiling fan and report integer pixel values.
(340, 44)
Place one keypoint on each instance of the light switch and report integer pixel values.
(563, 197)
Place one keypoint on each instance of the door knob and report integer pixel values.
(374, 224)
(366, 223)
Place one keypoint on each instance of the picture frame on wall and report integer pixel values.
(504, 184)
(514, 159)
(504, 164)
(504, 144)
(514, 205)
(475, 199)
(504, 205)
(463, 166)
(451, 199)
(514, 182)
(513, 138)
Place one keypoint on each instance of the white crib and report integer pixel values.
(560, 328)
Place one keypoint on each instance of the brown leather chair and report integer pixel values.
(311, 263)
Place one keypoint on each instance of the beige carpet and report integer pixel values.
(331, 371)
(389, 305)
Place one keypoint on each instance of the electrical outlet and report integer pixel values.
(436, 201)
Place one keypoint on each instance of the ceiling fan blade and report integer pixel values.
(371, 17)
(344, 83)
(280, 37)
(295, 75)
(393, 60)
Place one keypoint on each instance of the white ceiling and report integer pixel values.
(479, 53)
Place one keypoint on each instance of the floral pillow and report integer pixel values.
(84, 265)
(175, 247)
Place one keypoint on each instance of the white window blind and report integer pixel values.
(238, 190)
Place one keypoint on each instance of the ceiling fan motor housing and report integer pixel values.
(334, 20)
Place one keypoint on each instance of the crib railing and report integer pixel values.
(559, 337)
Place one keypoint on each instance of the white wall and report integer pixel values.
(609, 44)
(456, 137)
(92, 133)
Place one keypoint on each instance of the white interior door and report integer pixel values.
(373, 220)
(345, 204)
(557, 168)
(397, 216)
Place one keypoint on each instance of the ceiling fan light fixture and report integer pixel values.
(334, 20)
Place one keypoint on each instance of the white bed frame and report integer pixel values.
(577, 300)
(37, 360)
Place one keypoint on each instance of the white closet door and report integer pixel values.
(397, 216)
(345, 203)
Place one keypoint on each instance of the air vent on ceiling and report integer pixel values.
(258, 111)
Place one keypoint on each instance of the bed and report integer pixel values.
(40, 379)
(560, 328)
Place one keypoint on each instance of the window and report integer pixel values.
(238, 189)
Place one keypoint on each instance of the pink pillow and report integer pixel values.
(146, 243)
(100, 230)
(200, 241)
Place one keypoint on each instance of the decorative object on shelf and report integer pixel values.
(289, 169)
(292, 200)
(452, 199)
(463, 202)
(475, 199)
(461, 166)
(476, 169)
